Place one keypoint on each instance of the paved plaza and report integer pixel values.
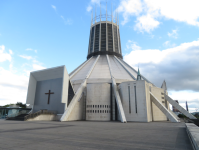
(86, 135)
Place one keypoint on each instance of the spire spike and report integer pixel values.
(138, 75)
(118, 18)
(138, 71)
(106, 11)
(95, 13)
(114, 13)
(92, 18)
(111, 12)
(164, 86)
(100, 11)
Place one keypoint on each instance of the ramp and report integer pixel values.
(180, 108)
(163, 108)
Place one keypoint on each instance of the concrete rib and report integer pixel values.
(78, 94)
(127, 69)
(116, 93)
(163, 108)
(180, 108)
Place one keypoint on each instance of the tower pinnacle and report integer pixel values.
(104, 35)
(138, 75)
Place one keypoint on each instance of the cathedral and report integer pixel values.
(103, 88)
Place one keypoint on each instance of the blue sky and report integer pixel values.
(162, 36)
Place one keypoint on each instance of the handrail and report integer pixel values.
(33, 115)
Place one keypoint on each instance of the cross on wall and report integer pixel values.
(49, 96)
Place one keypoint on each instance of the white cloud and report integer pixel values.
(3, 55)
(14, 82)
(185, 95)
(177, 65)
(89, 8)
(189, 96)
(146, 23)
(154, 10)
(10, 51)
(29, 49)
(37, 67)
(132, 45)
(26, 57)
(130, 8)
(173, 34)
(168, 44)
(54, 7)
(13, 87)
(95, 1)
(66, 21)
(92, 2)
(156, 55)
(179, 10)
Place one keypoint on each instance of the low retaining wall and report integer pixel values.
(193, 133)
(46, 117)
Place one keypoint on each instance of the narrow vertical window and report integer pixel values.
(129, 99)
(135, 99)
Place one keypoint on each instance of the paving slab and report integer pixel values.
(87, 135)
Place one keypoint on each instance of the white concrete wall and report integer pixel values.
(65, 86)
(31, 90)
(158, 115)
(98, 95)
(141, 114)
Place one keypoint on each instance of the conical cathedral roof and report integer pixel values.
(121, 71)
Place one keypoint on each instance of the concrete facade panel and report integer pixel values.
(98, 102)
(118, 72)
(31, 90)
(101, 69)
(41, 99)
(158, 115)
(81, 74)
(134, 104)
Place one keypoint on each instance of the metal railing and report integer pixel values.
(104, 17)
(41, 112)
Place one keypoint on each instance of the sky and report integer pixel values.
(159, 36)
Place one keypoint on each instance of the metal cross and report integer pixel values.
(49, 96)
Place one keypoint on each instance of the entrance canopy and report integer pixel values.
(48, 74)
